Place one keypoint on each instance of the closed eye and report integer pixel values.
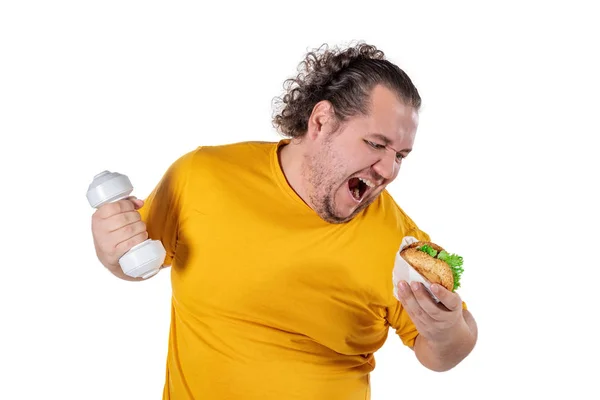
(375, 145)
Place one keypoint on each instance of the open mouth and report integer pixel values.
(358, 187)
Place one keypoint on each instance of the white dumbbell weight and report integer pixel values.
(142, 260)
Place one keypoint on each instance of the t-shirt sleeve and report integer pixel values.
(163, 208)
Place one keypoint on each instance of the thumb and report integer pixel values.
(138, 203)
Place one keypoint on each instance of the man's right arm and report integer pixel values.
(119, 226)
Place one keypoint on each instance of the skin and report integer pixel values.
(447, 333)
(318, 166)
(116, 228)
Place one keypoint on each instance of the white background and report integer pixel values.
(504, 172)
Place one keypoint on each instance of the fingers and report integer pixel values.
(449, 299)
(429, 305)
(118, 207)
(116, 228)
(426, 302)
(137, 202)
(412, 305)
(122, 220)
(127, 232)
(128, 242)
(114, 244)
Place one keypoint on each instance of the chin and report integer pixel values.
(341, 207)
(335, 215)
(346, 214)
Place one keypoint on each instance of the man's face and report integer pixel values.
(346, 170)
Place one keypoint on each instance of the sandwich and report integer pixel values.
(434, 263)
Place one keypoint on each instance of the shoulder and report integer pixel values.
(211, 157)
(217, 166)
(395, 219)
(233, 151)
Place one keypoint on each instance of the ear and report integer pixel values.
(321, 120)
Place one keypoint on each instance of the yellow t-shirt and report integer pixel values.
(268, 300)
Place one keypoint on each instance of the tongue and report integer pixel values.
(354, 186)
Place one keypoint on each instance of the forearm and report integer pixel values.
(443, 355)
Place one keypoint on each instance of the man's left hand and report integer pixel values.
(434, 321)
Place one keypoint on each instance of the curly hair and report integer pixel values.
(344, 77)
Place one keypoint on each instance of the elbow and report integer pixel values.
(437, 365)
(445, 357)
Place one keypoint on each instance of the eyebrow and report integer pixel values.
(386, 141)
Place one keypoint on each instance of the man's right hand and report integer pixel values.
(116, 228)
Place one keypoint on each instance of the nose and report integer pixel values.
(387, 167)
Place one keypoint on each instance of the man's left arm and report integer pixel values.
(447, 331)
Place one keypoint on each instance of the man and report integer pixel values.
(281, 254)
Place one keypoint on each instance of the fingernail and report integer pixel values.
(435, 288)
(403, 287)
(415, 285)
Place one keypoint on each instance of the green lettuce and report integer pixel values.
(453, 260)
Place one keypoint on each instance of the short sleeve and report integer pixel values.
(162, 209)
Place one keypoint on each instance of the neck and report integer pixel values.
(291, 159)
